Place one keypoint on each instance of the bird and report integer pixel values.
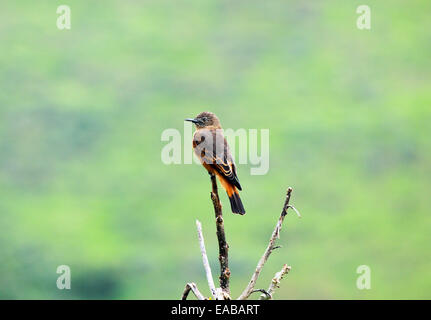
(212, 149)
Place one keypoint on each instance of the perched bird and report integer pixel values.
(210, 146)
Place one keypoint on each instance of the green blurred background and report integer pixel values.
(82, 111)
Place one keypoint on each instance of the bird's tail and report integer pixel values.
(236, 204)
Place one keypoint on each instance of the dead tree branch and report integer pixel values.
(223, 246)
(275, 283)
(223, 293)
(192, 287)
(275, 234)
(205, 260)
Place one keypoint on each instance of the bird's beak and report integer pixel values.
(191, 120)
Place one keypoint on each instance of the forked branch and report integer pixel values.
(223, 293)
(275, 234)
(192, 287)
(275, 283)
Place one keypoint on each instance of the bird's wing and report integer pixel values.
(212, 148)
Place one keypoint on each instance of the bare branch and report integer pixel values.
(223, 246)
(192, 286)
(205, 260)
(223, 292)
(275, 283)
(296, 211)
(275, 234)
(264, 292)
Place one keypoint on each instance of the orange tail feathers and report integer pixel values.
(236, 203)
(232, 193)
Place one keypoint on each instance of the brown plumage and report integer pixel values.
(211, 148)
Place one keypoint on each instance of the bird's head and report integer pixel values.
(205, 120)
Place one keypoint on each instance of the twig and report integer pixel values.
(192, 286)
(275, 283)
(275, 234)
(261, 290)
(223, 246)
(205, 260)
